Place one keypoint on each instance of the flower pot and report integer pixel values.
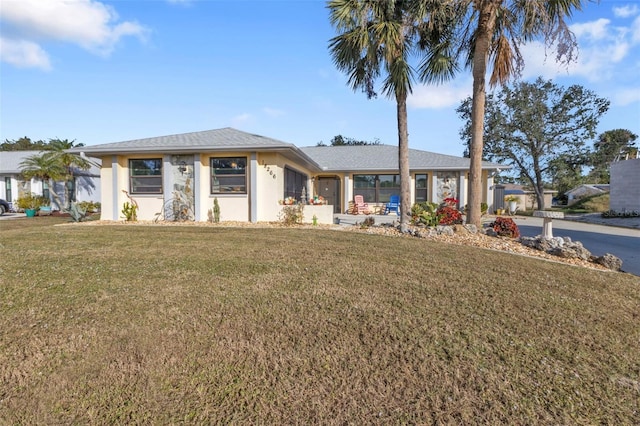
(30, 212)
(513, 205)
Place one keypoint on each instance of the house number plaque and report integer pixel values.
(268, 169)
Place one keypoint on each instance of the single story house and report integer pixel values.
(586, 190)
(526, 197)
(85, 186)
(250, 175)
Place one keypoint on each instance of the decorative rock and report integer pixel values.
(572, 251)
(610, 261)
(444, 230)
(471, 228)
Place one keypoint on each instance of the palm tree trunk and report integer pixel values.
(480, 58)
(403, 162)
(53, 194)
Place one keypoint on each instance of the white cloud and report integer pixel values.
(595, 30)
(635, 31)
(627, 96)
(23, 54)
(603, 50)
(626, 11)
(240, 119)
(89, 24)
(440, 96)
(272, 112)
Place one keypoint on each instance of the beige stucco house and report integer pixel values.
(250, 174)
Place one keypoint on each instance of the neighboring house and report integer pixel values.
(249, 174)
(86, 186)
(526, 197)
(625, 185)
(581, 191)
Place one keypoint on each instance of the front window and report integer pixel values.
(228, 175)
(376, 188)
(145, 176)
(294, 183)
(421, 188)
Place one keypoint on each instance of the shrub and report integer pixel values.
(130, 212)
(291, 214)
(367, 222)
(425, 213)
(505, 227)
(449, 215)
(31, 201)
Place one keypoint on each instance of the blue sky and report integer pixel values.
(109, 71)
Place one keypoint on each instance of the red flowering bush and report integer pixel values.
(506, 227)
(449, 215)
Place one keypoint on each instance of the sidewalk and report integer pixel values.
(596, 218)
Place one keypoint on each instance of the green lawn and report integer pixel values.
(129, 324)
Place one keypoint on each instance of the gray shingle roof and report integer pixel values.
(384, 157)
(10, 162)
(208, 140)
(327, 158)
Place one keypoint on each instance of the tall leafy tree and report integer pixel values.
(611, 145)
(376, 39)
(538, 128)
(22, 144)
(340, 140)
(490, 34)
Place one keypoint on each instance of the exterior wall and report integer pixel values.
(270, 186)
(107, 190)
(625, 185)
(265, 178)
(233, 207)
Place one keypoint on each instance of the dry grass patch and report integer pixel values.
(142, 324)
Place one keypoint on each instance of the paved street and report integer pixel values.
(598, 239)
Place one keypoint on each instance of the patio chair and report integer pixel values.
(363, 208)
(393, 205)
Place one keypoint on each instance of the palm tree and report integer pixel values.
(46, 169)
(381, 36)
(56, 164)
(492, 32)
(57, 151)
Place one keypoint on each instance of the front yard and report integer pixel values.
(193, 324)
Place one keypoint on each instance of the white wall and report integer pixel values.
(625, 185)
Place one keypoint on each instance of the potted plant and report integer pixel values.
(30, 203)
(45, 207)
(513, 202)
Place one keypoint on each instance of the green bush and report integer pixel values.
(31, 201)
(425, 213)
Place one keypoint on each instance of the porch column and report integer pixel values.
(462, 193)
(253, 188)
(489, 191)
(197, 193)
(167, 180)
(114, 187)
(347, 192)
(434, 188)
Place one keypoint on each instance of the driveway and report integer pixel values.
(623, 242)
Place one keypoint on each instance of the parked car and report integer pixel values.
(4, 207)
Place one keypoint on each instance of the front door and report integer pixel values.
(329, 188)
